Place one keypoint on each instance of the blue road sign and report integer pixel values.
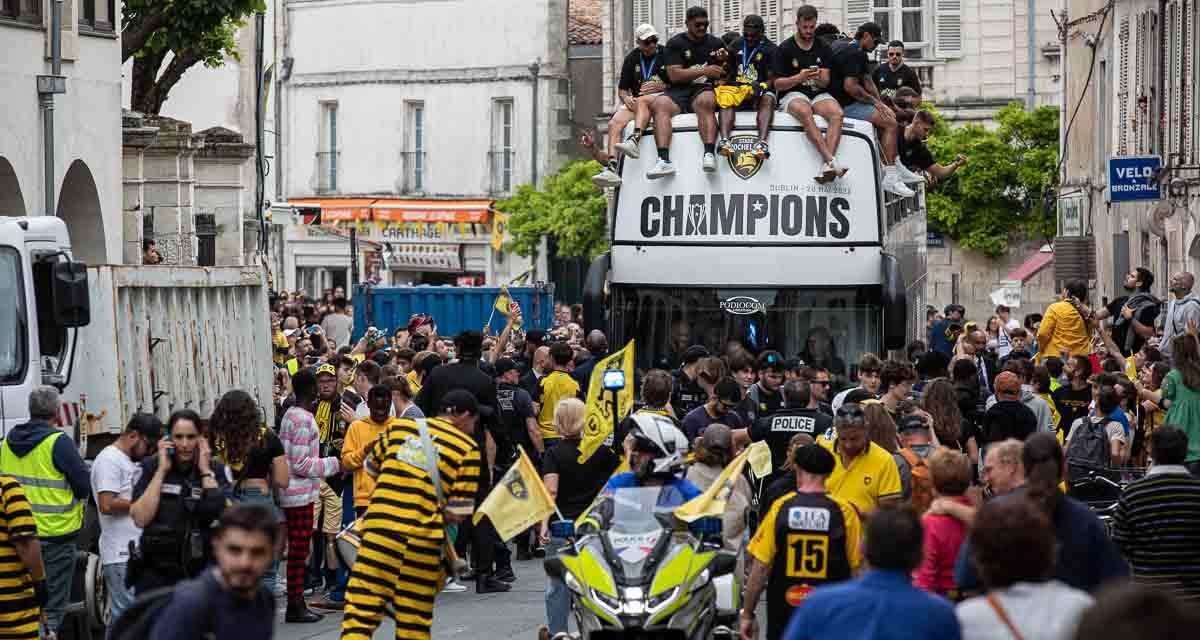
(1132, 178)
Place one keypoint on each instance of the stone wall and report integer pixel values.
(968, 278)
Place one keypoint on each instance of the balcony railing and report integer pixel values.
(414, 167)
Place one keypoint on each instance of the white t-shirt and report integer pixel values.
(1004, 343)
(1039, 610)
(115, 472)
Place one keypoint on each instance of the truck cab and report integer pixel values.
(757, 253)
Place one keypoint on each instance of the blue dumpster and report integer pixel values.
(453, 308)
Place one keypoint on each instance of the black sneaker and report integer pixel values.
(505, 575)
(489, 584)
(299, 612)
(539, 552)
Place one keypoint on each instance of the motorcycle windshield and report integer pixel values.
(641, 517)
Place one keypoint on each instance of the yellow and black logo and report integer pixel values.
(517, 488)
(743, 160)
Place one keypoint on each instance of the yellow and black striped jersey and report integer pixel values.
(404, 500)
(18, 611)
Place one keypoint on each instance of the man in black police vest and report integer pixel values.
(778, 429)
(807, 539)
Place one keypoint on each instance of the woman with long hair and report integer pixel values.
(253, 454)
(941, 403)
(881, 429)
(1180, 393)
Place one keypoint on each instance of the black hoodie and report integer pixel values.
(24, 438)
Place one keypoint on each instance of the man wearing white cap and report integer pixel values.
(643, 80)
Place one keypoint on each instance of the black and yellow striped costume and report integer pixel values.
(18, 611)
(399, 561)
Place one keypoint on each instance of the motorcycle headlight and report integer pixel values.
(700, 580)
(572, 583)
(606, 600)
(659, 600)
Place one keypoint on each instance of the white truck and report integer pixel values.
(761, 254)
(122, 339)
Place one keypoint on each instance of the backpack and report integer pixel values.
(137, 621)
(921, 495)
(1088, 449)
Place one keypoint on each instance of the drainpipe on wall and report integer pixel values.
(48, 87)
(534, 68)
(1031, 92)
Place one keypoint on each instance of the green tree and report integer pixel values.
(165, 38)
(568, 208)
(1002, 190)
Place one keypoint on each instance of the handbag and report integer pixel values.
(1003, 615)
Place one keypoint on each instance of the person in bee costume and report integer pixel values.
(427, 474)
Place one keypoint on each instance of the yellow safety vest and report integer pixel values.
(55, 509)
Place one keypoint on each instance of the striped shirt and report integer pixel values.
(404, 501)
(301, 443)
(18, 611)
(1157, 527)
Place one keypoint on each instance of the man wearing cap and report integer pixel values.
(943, 335)
(720, 408)
(851, 84)
(518, 428)
(764, 397)
(686, 392)
(400, 559)
(747, 87)
(643, 81)
(1008, 417)
(807, 539)
(112, 478)
(334, 415)
(916, 445)
(864, 473)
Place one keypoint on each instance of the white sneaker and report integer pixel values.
(454, 586)
(892, 183)
(709, 163)
(606, 178)
(907, 175)
(828, 172)
(628, 147)
(840, 168)
(662, 169)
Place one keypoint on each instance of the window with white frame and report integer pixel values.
(414, 157)
(503, 145)
(97, 15)
(327, 148)
(905, 20)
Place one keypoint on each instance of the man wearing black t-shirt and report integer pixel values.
(913, 154)
(695, 59)
(800, 75)
(750, 57)
(1133, 314)
(851, 84)
(895, 74)
(643, 80)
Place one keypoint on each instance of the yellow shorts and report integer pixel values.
(329, 505)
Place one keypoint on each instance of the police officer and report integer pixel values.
(518, 429)
(180, 494)
(763, 398)
(777, 430)
(687, 394)
(808, 539)
(47, 465)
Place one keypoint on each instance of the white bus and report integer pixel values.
(761, 254)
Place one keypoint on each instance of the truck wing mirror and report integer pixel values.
(69, 303)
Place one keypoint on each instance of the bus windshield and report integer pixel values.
(822, 327)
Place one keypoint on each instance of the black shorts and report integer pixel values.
(683, 96)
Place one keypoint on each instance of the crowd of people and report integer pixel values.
(817, 72)
(999, 479)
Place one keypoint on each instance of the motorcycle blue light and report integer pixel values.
(562, 529)
(706, 527)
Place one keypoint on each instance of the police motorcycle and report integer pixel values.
(633, 569)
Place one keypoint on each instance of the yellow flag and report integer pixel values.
(760, 460)
(518, 502)
(503, 301)
(499, 227)
(598, 426)
(711, 503)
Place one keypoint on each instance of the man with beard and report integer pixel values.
(764, 398)
(334, 416)
(800, 74)
(746, 86)
(778, 429)
(228, 602)
(864, 474)
(1132, 314)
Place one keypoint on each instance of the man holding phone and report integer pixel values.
(800, 75)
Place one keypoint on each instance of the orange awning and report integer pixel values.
(397, 209)
(387, 210)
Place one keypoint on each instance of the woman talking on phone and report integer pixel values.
(181, 492)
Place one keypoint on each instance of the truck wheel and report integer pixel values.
(95, 595)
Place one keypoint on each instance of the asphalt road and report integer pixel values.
(460, 616)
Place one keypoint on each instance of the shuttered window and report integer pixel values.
(1123, 88)
(642, 13)
(857, 12)
(948, 37)
(770, 15)
(676, 11)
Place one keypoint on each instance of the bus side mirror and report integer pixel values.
(70, 306)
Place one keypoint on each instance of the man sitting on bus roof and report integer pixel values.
(913, 154)
(695, 59)
(643, 81)
(851, 84)
(800, 74)
(746, 86)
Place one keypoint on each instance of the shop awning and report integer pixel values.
(396, 210)
(1032, 265)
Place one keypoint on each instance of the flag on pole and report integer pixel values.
(499, 228)
(760, 460)
(517, 502)
(711, 503)
(598, 425)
